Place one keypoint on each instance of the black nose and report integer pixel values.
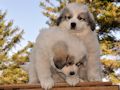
(73, 25)
(72, 73)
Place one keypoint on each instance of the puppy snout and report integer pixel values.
(73, 25)
(72, 73)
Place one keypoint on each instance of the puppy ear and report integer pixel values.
(59, 63)
(58, 21)
(91, 21)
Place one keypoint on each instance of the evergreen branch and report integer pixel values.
(2, 15)
(22, 55)
(13, 42)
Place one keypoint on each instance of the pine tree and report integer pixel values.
(10, 71)
(107, 15)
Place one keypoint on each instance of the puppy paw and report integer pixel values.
(94, 78)
(47, 83)
(81, 80)
(72, 80)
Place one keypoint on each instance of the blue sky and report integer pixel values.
(26, 14)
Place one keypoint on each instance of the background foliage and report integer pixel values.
(10, 71)
(107, 15)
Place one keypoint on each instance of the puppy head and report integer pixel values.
(76, 17)
(68, 65)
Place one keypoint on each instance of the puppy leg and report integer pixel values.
(83, 73)
(72, 80)
(32, 75)
(43, 72)
(93, 68)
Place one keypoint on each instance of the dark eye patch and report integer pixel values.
(82, 61)
(67, 17)
(69, 60)
(79, 64)
(81, 18)
(69, 63)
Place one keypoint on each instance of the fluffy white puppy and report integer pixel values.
(79, 21)
(56, 48)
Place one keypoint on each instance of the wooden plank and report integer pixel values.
(81, 88)
(88, 88)
(82, 84)
(64, 86)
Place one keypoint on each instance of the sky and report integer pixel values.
(26, 14)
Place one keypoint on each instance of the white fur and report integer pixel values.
(77, 40)
(41, 57)
(73, 80)
(84, 33)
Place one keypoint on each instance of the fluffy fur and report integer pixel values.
(79, 21)
(72, 49)
(58, 49)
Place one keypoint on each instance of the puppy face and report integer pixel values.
(76, 17)
(68, 65)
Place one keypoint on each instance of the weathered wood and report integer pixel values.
(82, 88)
(89, 88)
(64, 86)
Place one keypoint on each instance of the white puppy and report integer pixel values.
(60, 50)
(79, 21)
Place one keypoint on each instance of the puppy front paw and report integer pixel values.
(72, 80)
(47, 83)
(94, 78)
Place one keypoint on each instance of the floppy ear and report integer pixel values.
(59, 63)
(58, 21)
(91, 21)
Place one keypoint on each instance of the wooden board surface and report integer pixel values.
(81, 88)
(64, 86)
(57, 85)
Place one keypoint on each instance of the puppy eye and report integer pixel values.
(70, 63)
(67, 17)
(69, 60)
(79, 64)
(80, 18)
